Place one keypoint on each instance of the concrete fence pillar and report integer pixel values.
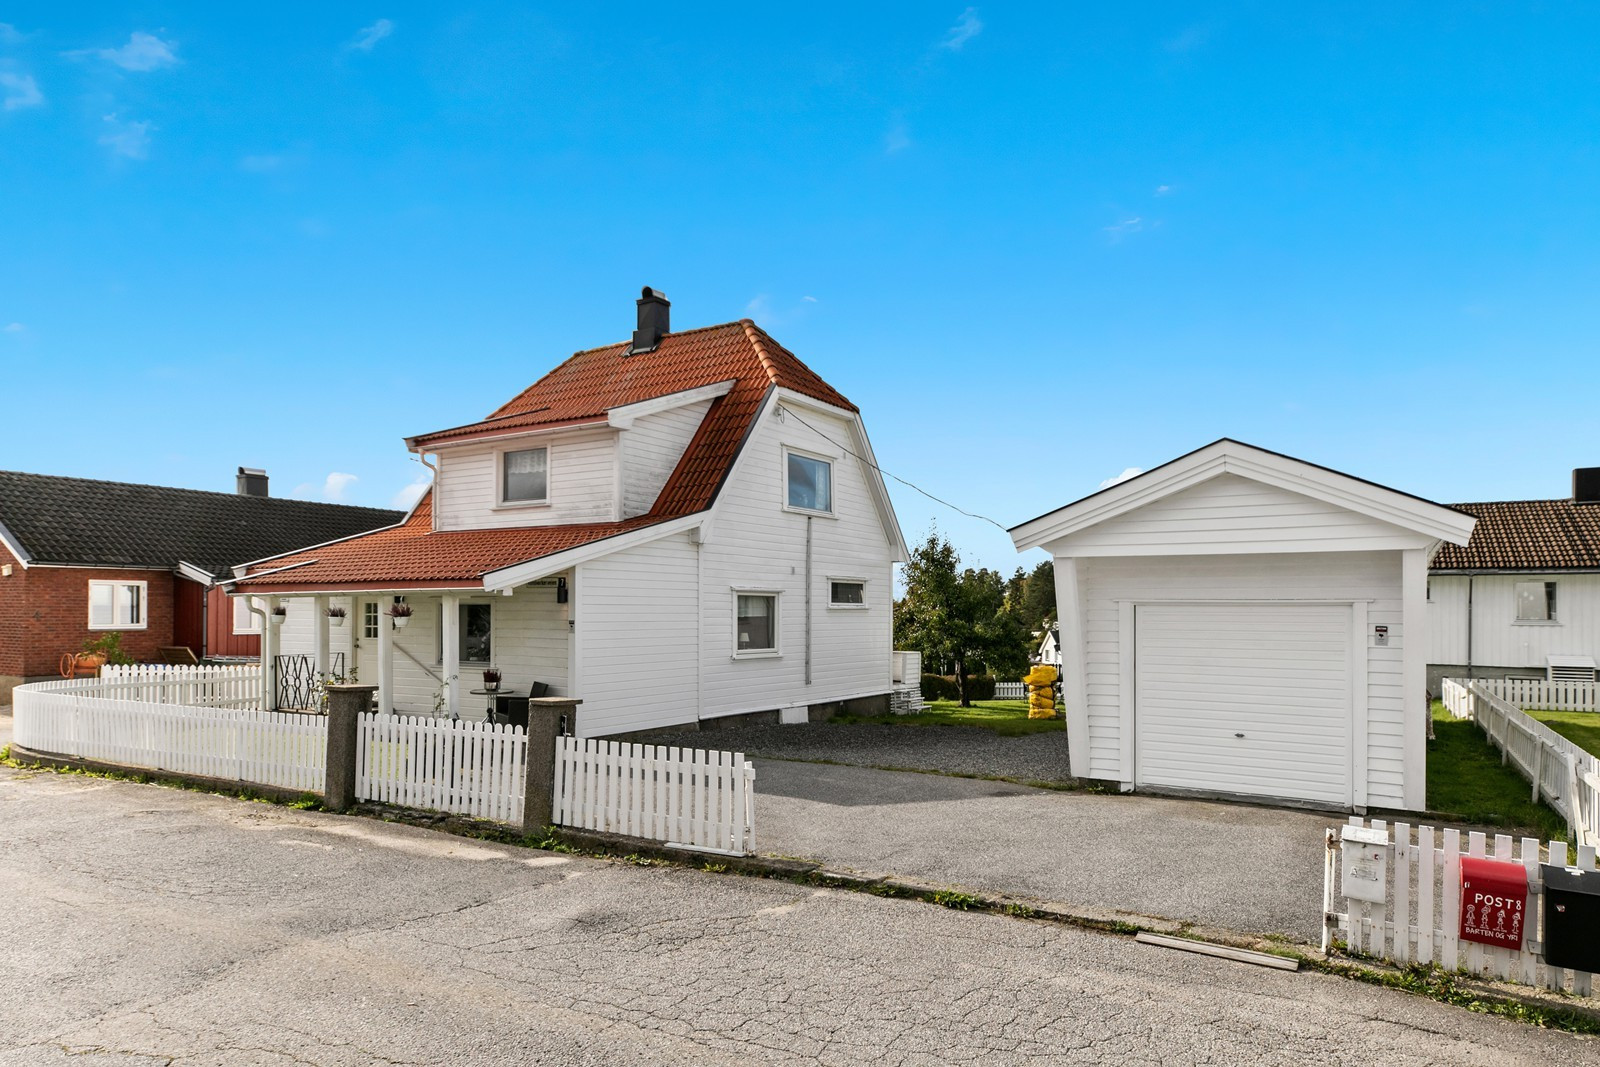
(345, 705)
(544, 726)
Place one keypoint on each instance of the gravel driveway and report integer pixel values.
(964, 750)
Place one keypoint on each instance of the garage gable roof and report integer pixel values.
(1230, 457)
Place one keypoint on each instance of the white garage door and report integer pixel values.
(1247, 698)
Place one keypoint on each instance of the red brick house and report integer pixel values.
(82, 558)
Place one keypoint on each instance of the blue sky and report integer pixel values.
(1038, 245)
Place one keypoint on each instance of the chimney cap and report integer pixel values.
(653, 294)
(654, 321)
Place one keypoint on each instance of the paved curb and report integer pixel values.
(28, 756)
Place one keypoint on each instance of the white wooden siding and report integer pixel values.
(1498, 640)
(635, 612)
(1370, 577)
(583, 484)
(651, 449)
(1230, 514)
(755, 543)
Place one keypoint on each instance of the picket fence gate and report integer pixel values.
(469, 768)
(1418, 922)
(278, 749)
(702, 799)
(1560, 773)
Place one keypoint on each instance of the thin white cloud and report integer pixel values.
(9, 34)
(1118, 230)
(368, 36)
(21, 91)
(1163, 190)
(809, 299)
(1128, 472)
(898, 139)
(144, 51)
(260, 164)
(410, 494)
(336, 485)
(758, 306)
(1187, 41)
(967, 26)
(129, 140)
(15, 327)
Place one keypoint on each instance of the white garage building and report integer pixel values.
(1238, 622)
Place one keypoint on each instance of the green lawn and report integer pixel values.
(1466, 780)
(1008, 718)
(1580, 727)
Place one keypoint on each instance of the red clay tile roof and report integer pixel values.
(1527, 535)
(580, 392)
(414, 553)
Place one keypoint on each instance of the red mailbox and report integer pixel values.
(1494, 902)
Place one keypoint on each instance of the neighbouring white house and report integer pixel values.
(1522, 598)
(1238, 622)
(677, 529)
(1049, 650)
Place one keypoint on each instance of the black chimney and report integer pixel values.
(655, 321)
(252, 482)
(1586, 485)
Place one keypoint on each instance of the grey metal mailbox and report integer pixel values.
(1571, 918)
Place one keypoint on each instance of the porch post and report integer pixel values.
(451, 647)
(319, 633)
(385, 656)
(269, 655)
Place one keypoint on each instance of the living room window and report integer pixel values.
(118, 605)
(755, 624)
(1536, 601)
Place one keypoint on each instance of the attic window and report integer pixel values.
(525, 476)
(808, 483)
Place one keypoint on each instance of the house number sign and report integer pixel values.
(1494, 902)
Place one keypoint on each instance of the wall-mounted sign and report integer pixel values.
(1380, 635)
(1494, 902)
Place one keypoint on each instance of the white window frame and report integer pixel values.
(500, 453)
(820, 457)
(144, 605)
(1555, 617)
(377, 620)
(493, 635)
(776, 651)
(851, 580)
(254, 626)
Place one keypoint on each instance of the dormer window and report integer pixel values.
(808, 483)
(525, 476)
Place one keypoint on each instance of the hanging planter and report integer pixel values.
(335, 616)
(401, 614)
(277, 615)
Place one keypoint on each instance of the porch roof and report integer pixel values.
(415, 555)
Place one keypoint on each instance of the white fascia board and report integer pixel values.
(623, 416)
(14, 546)
(531, 431)
(543, 567)
(194, 574)
(862, 450)
(1232, 457)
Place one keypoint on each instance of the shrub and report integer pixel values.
(944, 687)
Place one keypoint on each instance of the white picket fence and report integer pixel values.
(237, 686)
(1010, 691)
(1561, 773)
(470, 768)
(701, 798)
(1540, 693)
(87, 719)
(1419, 920)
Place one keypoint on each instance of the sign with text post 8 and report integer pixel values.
(1494, 902)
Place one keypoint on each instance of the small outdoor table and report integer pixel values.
(493, 695)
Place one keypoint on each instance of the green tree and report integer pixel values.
(958, 616)
(1038, 608)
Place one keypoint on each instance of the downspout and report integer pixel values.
(808, 599)
(422, 458)
(205, 623)
(1469, 626)
(269, 684)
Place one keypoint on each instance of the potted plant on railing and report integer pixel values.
(335, 615)
(401, 614)
(278, 614)
(491, 680)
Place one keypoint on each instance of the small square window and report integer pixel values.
(369, 620)
(1536, 601)
(847, 594)
(117, 605)
(810, 483)
(756, 624)
(525, 476)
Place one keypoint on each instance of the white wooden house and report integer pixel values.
(1238, 622)
(1522, 598)
(1049, 650)
(683, 528)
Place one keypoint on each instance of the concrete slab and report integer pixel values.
(1253, 869)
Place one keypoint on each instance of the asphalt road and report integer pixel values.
(147, 925)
